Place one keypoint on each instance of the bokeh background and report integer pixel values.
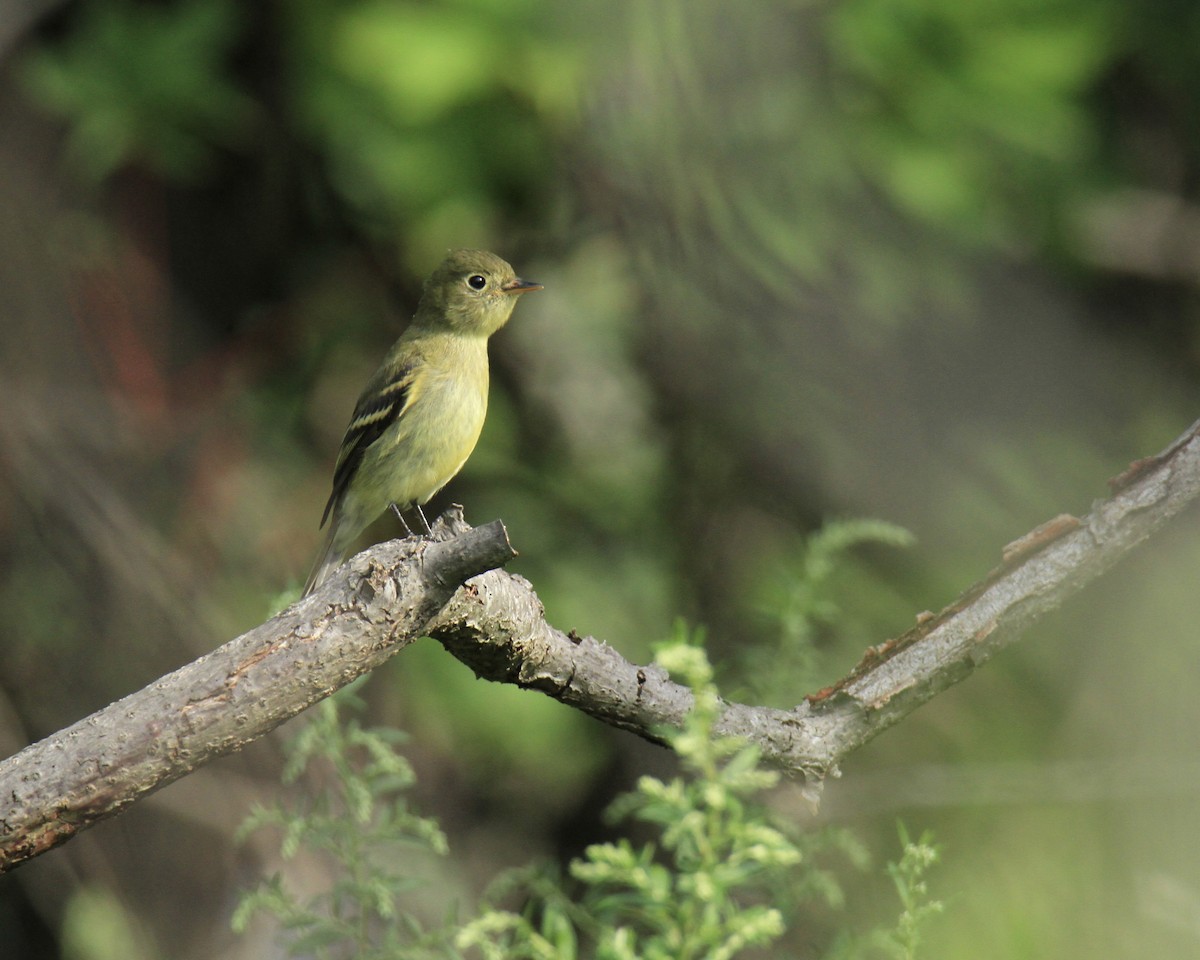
(921, 260)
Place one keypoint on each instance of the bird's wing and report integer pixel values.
(380, 405)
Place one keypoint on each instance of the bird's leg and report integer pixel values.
(421, 514)
(404, 523)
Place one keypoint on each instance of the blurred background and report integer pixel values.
(924, 261)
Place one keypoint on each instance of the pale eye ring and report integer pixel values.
(477, 281)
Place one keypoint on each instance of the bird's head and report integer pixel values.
(472, 292)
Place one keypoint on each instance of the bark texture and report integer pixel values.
(495, 623)
(236, 694)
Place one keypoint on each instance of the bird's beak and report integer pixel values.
(520, 286)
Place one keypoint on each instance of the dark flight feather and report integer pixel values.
(376, 410)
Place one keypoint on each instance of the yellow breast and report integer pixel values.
(436, 432)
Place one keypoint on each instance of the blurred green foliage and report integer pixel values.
(709, 885)
(966, 115)
(143, 83)
(360, 821)
(96, 926)
(434, 116)
(721, 877)
(800, 614)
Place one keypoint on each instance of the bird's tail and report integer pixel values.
(329, 557)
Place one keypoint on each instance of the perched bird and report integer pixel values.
(420, 415)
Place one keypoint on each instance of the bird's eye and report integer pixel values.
(477, 281)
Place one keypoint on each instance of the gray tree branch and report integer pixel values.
(496, 627)
(400, 590)
(235, 694)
